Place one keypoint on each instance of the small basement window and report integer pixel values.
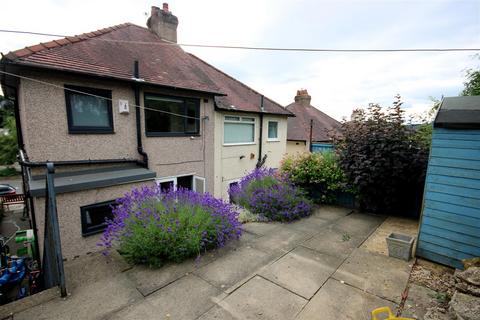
(89, 112)
(238, 130)
(190, 182)
(94, 217)
(272, 130)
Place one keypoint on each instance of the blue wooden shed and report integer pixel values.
(450, 222)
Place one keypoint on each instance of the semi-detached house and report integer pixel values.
(123, 107)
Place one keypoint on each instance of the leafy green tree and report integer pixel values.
(472, 83)
(383, 160)
(8, 134)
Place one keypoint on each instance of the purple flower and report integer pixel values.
(150, 225)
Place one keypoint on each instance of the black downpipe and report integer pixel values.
(311, 135)
(136, 89)
(260, 161)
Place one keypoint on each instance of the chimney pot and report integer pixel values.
(163, 23)
(303, 97)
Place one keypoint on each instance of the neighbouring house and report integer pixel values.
(125, 106)
(450, 222)
(309, 124)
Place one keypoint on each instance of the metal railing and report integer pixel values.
(52, 266)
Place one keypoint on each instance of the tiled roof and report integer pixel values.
(299, 126)
(111, 52)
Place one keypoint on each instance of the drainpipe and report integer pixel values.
(261, 161)
(311, 135)
(136, 89)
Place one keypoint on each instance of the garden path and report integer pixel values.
(310, 269)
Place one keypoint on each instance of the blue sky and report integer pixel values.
(338, 82)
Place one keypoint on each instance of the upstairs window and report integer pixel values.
(171, 116)
(238, 130)
(89, 112)
(272, 130)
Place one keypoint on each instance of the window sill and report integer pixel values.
(178, 135)
(273, 140)
(91, 132)
(239, 144)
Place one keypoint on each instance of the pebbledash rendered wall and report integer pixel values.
(45, 130)
(232, 162)
(68, 209)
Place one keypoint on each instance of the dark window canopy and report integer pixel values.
(91, 179)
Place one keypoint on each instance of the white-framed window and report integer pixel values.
(238, 130)
(272, 131)
(190, 181)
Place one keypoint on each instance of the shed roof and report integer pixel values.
(111, 52)
(459, 113)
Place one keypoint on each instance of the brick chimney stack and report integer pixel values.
(163, 23)
(303, 97)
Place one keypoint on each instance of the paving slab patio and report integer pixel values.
(187, 298)
(234, 267)
(331, 213)
(334, 242)
(262, 299)
(374, 273)
(276, 271)
(302, 271)
(340, 301)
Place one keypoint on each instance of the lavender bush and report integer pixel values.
(151, 226)
(270, 195)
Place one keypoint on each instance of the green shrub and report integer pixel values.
(319, 173)
(270, 196)
(8, 142)
(152, 227)
(8, 172)
(384, 160)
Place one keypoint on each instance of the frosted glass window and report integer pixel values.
(239, 130)
(272, 130)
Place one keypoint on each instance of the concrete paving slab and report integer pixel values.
(217, 313)
(340, 301)
(90, 301)
(334, 242)
(377, 274)
(260, 228)
(185, 299)
(309, 225)
(302, 271)
(282, 239)
(148, 280)
(262, 299)
(93, 268)
(234, 266)
(359, 224)
(331, 213)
